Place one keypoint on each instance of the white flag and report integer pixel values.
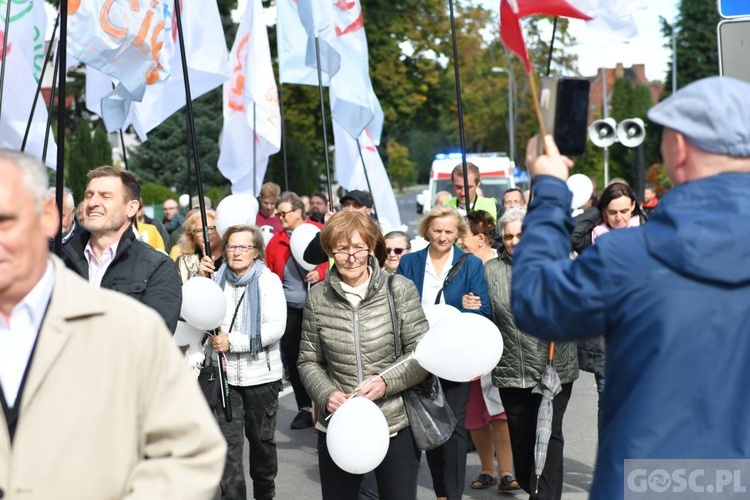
(206, 52)
(25, 56)
(353, 101)
(125, 40)
(298, 55)
(250, 101)
(350, 173)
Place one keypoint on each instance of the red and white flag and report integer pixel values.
(250, 100)
(350, 173)
(24, 56)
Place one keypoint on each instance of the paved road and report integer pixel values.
(298, 471)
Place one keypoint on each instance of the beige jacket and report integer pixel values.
(342, 345)
(109, 409)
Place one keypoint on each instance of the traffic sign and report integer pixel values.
(734, 40)
(733, 8)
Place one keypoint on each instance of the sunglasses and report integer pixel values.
(397, 251)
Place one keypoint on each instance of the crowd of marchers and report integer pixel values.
(616, 286)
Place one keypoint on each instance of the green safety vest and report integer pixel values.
(489, 205)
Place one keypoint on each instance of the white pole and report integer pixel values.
(604, 113)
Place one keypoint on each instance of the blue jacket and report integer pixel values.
(673, 301)
(469, 279)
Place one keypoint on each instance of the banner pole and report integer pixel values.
(323, 116)
(461, 132)
(283, 137)
(62, 49)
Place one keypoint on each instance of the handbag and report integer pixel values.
(209, 384)
(430, 418)
(451, 274)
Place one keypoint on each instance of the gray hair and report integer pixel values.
(33, 173)
(515, 214)
(399, 234)
(67, 196)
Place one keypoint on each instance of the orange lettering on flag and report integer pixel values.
(73, 6)
(236, 98)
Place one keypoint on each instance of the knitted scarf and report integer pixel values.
(251, 318)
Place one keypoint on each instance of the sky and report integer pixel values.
(596, 49)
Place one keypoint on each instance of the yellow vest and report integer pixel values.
(489, 205)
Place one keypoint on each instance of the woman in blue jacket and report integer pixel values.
(443, 274)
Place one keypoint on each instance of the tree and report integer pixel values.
(402, 171)
(80, 160)
(101, 148)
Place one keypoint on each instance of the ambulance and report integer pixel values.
(495, 170)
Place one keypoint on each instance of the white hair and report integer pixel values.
(513, 214)
(33, 173)
(67, 196)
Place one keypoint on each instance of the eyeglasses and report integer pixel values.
(282, 215)
(345, 256)
(509, 237)
(240, 248)
(199, 232)
(397, 251)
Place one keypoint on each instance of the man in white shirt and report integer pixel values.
(87, 374)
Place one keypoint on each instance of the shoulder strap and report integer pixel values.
(451, 274)
(394, 319)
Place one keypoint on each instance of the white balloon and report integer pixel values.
(460, 347)
(267, 233)
(203, 303)
(438, 312)
(581, 187)
(357, 436)
(301, 237)
(418, 244)
(236, 210)
(184, 200)
(188, 336)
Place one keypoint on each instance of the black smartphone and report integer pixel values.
(565, 109)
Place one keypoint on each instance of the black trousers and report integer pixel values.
(396, 475)
(254, 412)
(522, 407)
(448, 462)
(290, 347)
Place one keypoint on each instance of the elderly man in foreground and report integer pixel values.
(675, 310)
(97, 402)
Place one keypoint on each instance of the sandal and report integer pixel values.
(483, 481)
(508, 483)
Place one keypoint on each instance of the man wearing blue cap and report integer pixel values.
(675, 310)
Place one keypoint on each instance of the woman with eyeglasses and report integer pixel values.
(348, 340)
(296, 282)
(397, 244)
(443, 274)
(250, 335)
(520, 370)
(192, 246)
(485, 415)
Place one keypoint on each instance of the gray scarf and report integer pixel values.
(251, 315)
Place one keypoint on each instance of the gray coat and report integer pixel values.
(524, 357)
(342, 345)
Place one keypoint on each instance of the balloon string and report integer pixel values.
(401, 362)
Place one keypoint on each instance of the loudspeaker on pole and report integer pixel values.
(603, 133)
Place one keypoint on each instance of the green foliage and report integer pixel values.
(218, 193)
(80, 156)
(402, 171)
(101, 153)
(156, 194)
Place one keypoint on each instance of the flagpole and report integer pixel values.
(55, 72)
(124, 153)
(461, 133)
(323, 116)
(551, 46)
(193, 141)
(62, 49)
(364, 167)
(5, 54)
(39, 84)
(283, 137)
(255, 155)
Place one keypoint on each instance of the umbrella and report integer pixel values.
(548, 387)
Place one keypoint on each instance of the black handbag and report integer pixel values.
(430, 418)
(208, 381)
